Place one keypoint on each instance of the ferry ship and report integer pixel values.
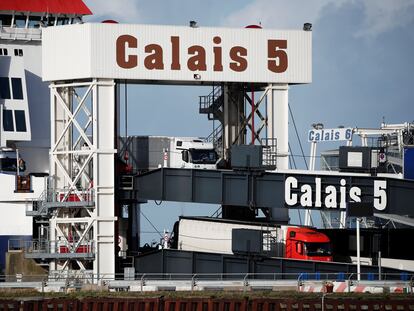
(25, 112)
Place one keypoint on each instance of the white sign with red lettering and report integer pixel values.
(176, 53)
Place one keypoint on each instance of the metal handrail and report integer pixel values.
(62, 279)
(13, 33)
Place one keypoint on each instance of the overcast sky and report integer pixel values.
(363, 66)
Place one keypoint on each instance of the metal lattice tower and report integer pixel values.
(82, 224)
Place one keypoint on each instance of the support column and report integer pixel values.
(104, 176)
(277, 128)
(277, 122)
(83, 170)
(233, 109)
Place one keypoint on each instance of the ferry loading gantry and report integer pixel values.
(84, 80)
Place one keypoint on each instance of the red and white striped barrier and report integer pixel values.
(354, 287)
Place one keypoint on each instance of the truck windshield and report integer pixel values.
(318, 249)
(203, 156)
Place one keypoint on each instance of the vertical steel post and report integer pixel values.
(358, 250)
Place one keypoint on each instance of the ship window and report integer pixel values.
(34, 22)
(8, 121)
(3, 52)
(20, 21)
(4, 88)
(62, 21)
(17, 88)
(19, 116)
(77, 20)
(18, 52)
(5, 20)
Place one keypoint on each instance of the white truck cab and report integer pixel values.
(147, 153)
(193, 153)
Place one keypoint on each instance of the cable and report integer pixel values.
(297, 135)
(291, 156)
(300, 217)
(152, 225)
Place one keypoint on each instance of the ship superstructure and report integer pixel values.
(25, 111)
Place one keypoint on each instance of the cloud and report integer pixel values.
(378, 15)
(385, 15)
(123, 11)
(279, 13)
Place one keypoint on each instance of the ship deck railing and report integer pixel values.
(20, 34)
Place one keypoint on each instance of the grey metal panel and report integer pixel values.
(246, 241)
(150, 263)
(297, 266)
(174, 261)
(400, 197)
(233, 264)
(178, 262)
(207, 186)
(332, 267)
(178, 185)
(246, 156)
(270, 190)
(236, 189)
(265, 189)
(205, 263)
(268, 266)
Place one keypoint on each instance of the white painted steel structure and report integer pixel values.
(84, 161)
(364, 134)
(92, 56)
(90, 50)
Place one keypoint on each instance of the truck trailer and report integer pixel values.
(214, 235)
(145, 153)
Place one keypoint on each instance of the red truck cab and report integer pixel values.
(307, 244)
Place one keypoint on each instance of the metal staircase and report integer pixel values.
(74, 243)
(212, 106)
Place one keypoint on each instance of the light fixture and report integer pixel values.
(317, 126)
(197, 76)
(307, 27)
(193, 24)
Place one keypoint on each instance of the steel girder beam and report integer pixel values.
(263, 189)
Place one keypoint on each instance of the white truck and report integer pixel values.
(146, 153)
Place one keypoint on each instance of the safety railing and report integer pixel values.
(50, 197)
(56, 280)
(13, 33)
(269, 151)
(52, 246)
